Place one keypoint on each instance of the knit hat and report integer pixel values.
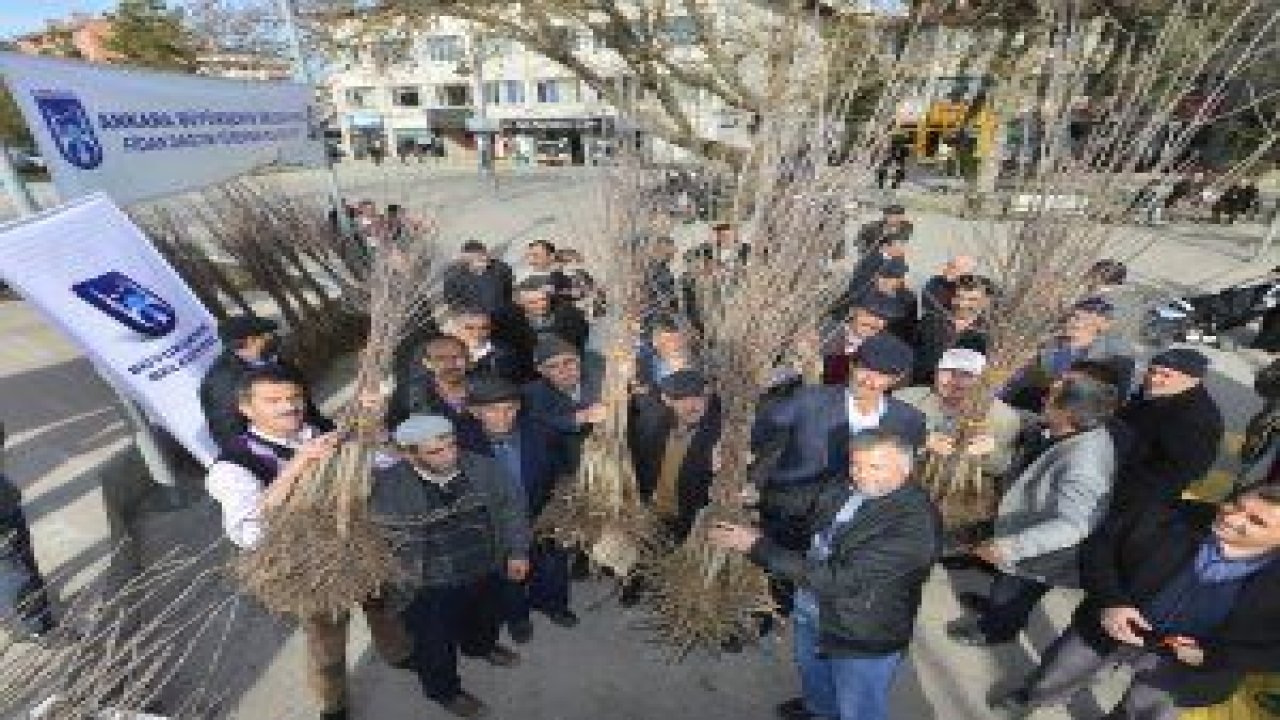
(492, 390)
(420, 428)
(963, 360)
(886, 354)
(1184, 360)
(552, 346)
(240, 327)
(474, 246)
(894, 209)
(683, 384)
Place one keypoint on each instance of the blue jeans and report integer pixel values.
(852, 688)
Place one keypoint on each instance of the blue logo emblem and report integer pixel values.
(70, 127)
(129, 303)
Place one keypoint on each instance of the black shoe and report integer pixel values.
(465, 705)
(630, 596)
(967, 632)
(502, 657)
(334, 715)
(1012, 705)
(565, 618)
(794, 709)
(521, 631)
(733, 645)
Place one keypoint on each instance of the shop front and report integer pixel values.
(366, 134)
(559, 141)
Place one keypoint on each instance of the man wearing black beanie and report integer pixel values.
(1177, 430)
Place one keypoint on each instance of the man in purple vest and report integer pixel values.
(254, 474)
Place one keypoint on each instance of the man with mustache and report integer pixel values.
(255, 473)
(1187, 597)
(249, 342)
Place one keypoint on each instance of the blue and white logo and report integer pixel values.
(129, 303)
(71, 128)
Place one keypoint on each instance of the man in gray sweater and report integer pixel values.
(458, 523)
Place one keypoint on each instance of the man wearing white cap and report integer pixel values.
(460, 524)
(943, 406)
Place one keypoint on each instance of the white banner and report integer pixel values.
(138, 134)
(98, 278)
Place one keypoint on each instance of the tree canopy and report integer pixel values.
(150, 34)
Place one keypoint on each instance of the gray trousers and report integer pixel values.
(1070, 664)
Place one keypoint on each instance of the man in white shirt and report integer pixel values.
(255, 473)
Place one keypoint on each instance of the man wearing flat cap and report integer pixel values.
(1083, 336)
(1177, 430)
(461, 527)
(535, 459)
(566, 396)
(248, 342)
(672, 437)
(870, 316)
(804, 439)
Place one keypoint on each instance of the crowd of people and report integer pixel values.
(1090, 446)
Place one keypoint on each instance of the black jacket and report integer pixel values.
(417, 394)
(512, 328)
(1135, 554)
(490, 289)
(649, 428)
(870, 587)
(450, 535)
(1175, 442)
(219, 400)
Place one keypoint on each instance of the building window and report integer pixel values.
(444, 48)
(360, 97)
(453, 95)
(497, 48)
(505, 92)
(560, 90)
(406, 96)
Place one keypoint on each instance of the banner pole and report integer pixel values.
(302, 75)
(144, 435)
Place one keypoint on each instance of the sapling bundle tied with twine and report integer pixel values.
(1075, 195)
(321, 553)
(600, 510)
(789, 211)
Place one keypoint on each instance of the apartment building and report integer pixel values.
(419, 93)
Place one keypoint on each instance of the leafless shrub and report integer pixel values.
(246, 237)
(117, 651)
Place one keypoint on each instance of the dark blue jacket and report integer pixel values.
(807, 435)
(544, 460)
(554, 410)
